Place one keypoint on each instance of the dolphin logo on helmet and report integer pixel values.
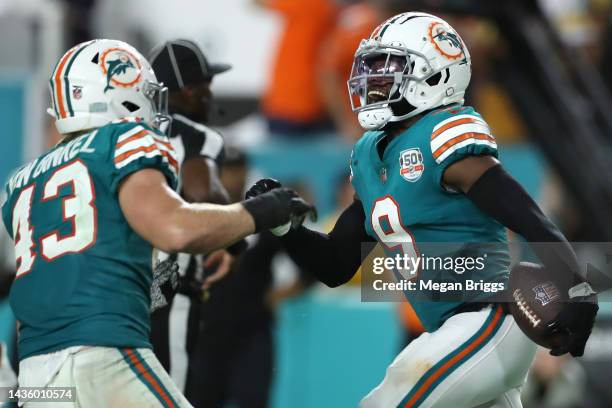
(117, 67)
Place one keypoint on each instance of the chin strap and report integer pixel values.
(375, 118)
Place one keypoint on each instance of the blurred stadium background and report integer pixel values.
(542, 79)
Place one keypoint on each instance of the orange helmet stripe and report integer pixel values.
(58, 82)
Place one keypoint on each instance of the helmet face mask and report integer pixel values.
(380, 74)
(412, 63)
(157, 93)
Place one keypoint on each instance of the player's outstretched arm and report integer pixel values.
(332, 258)
(499, 195)
(169, 223)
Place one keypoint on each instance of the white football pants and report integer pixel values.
(102, 377)
(476, 359)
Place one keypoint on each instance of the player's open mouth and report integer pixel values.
(377, 96)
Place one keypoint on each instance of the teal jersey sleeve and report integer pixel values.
(135, 146)
(459, 133)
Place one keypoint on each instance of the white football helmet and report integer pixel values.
(99, 81)
(411, 63)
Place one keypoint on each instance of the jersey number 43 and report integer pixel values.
(77, 208)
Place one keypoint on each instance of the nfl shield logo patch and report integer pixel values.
(411, 164)
(77, 92)
(546, 293)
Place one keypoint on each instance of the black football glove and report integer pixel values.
(575, 321)
(272, 205)
(262, 186)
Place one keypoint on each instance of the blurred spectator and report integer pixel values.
(355, 22)
(292, 102)
(233, 359)
(572, 20)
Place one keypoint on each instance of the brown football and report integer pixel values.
(536, 302)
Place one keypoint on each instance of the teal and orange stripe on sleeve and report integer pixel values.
(439, 372)
(148, 377)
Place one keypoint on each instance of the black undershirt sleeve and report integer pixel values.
(500, 196)
(335, 257)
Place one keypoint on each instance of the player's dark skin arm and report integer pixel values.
(201, 184)
(501, 197)
(464, 173)
(338, 254)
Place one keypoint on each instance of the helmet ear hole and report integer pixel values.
(434, 79)
(132, 107)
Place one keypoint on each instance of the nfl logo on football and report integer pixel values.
(546, 293)
(411, 164)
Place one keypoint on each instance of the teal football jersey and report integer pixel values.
(406, 203)
(83, 274)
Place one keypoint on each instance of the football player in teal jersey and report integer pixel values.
(426, 171)
(85, 218)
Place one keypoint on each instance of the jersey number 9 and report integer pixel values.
(387, 224)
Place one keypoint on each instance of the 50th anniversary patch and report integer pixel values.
(411, 164)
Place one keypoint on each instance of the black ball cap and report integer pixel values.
(179, 63)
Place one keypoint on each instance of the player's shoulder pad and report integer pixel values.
(455, 128)
(121, 126)
(132, 140)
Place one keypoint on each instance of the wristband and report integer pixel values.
(266, 210)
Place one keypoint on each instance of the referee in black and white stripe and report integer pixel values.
(182, 67)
